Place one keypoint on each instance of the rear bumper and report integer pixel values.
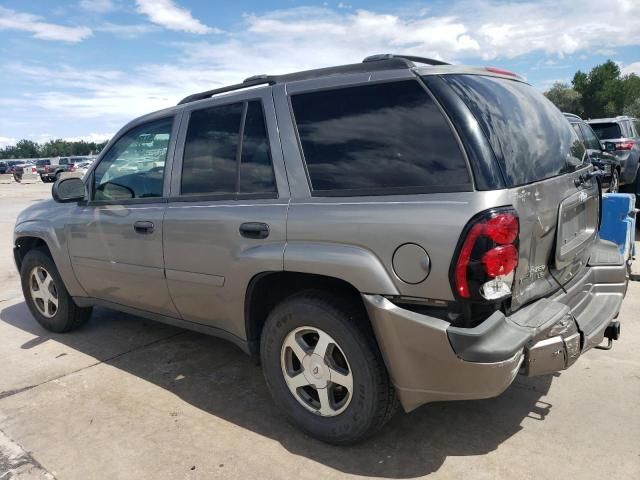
(428, 360)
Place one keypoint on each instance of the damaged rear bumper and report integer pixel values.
(428, 360)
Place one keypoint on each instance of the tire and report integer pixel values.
(614, 184)
(66, 315)
(353, 350)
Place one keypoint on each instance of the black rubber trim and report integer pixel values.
(494, 340)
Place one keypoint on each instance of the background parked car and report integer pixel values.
(624, 134)
(50, 169)
(3, 167)
(596, 154)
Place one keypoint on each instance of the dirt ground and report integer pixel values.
(128, 398)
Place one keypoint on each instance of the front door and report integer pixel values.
(116, 237)
(225, 220)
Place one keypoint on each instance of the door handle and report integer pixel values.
(254, 230)
(143, 227)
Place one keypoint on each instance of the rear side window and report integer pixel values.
(211, 147)
(383, 138)
(216, 161)
(590, 139)
(607, 130)
(530, 137)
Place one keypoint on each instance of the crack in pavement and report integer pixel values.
(10, 393)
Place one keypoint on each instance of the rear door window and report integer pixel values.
(531, 138)
(607, 130)
(227, 152)
(381, 138)
(590, 139)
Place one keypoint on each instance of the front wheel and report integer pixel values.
(324, 369)
(46, 295)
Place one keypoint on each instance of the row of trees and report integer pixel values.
(603, 92)
(52, 148)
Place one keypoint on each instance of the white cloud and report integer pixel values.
(12, 20)
(98, 6)
(309, 37)
(631, 68)
(6, 141)
(126, 30)
(167, 14)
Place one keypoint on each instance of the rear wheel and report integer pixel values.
(323, 368)
(614, 185)
(46, 295)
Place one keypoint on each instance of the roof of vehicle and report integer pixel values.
(372, 63)
(610, 120)
(572, 116)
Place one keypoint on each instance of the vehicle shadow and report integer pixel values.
(218, 378)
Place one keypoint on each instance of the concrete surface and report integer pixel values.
(127, 398)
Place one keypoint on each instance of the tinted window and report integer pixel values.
(209, 163)
(374, 137)
(256, 172)
(636, 126)
(40, 163)
(134, 166)
(605, 131)
(590, 139)
(530, 137)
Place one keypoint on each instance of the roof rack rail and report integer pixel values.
(410, 58)
(567, 114)
(249, 82)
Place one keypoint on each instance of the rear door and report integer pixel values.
(226, 217)
(543, 163)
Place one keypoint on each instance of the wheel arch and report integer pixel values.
(268, 289)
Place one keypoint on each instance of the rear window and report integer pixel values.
(531, 138)
(40, 163)
(382, 138)
(606, 130)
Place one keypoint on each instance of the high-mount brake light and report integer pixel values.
(500, 71)
(488, 256)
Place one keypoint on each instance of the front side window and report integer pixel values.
(134, 166)
(382, 137)
(217, 160)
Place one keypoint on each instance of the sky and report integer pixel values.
(81, 69)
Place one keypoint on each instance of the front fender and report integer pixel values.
(356, 265)
(56, 242)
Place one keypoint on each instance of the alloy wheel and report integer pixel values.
(316, 371)
(43, 292)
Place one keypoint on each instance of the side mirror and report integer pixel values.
(69, 189)
(609, 147)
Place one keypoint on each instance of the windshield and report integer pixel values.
(606, 130)
(531, 138)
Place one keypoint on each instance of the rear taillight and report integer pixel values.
(624, 145)
(46, 169)
(487, 256)
(72, 168)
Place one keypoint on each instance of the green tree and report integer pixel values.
(565, 98)
(602, 90)
(633, 109)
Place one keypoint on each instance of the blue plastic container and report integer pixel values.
(619, 221)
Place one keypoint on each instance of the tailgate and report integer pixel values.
(558, 228)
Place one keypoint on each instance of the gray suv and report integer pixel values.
(621, 135)
(394, 231)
